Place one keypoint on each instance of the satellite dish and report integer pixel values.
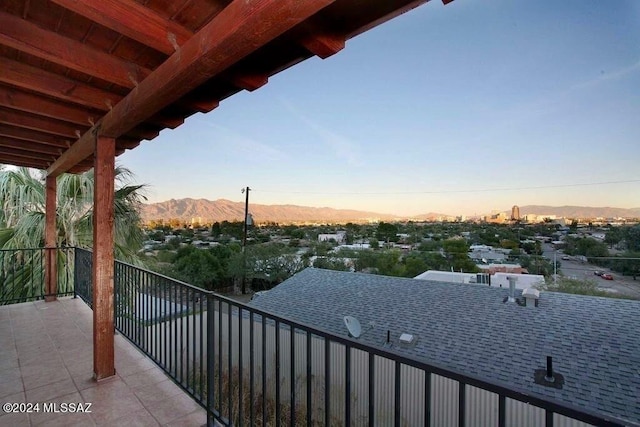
(353, 326)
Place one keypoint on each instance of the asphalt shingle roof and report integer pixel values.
(594, 341)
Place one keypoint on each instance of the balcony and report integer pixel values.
(229, 364)
(46, 356)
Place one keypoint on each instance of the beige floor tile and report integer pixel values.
(141, 418)
(51, 391)
(156, 392)
(14, 420)
(196, 418)
(174, 407)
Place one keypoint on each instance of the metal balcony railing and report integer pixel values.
(249, 367)
(22, 274)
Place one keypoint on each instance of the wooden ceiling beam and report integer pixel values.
(34, 136)
(27, 154)
(21, 161)
(54, 85)
(6, 142)
(132, 20)
(26, 37)
(44, 106)
(42, 124)
(238, 30)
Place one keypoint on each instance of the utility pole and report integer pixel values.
(244, 240)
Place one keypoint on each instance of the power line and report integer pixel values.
(481, 190)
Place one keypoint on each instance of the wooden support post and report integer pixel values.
(50, 252)
(103, 259)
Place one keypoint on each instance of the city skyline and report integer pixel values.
(443, 109)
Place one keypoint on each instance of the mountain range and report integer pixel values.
(226, 210)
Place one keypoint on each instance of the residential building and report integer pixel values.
(594, 342)
(339, 237)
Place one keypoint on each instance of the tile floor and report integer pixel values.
(46, 355)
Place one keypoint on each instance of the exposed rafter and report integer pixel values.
(39, 123)
(43, 106)
(29, 38)
(132, 20)
(54, 85)
(22, 134)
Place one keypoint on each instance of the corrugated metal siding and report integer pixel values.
(481, 407)
(444, 401)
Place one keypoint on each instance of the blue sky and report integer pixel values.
(460, 109)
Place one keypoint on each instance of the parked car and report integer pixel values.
(598, 273)
(566, 257)
(606, 276)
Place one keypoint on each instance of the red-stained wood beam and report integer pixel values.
(50, 233)
(29, 154)
(26, 37)
(132, 20)
(446, 1)
(249, 82)
(322, 43)
(44, 106)
(56, 86)
(27, 157)
(238, 30)
(34, 136)
(103, 258)
(35, 147)
(42, 124)
(28, 163)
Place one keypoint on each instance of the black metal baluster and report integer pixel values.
(309, 379)
(278, 375)
(210, 360)
(219, 355)
(548, 418)
(502, 411)
(251, 370)
(230, 362)
(264, 371)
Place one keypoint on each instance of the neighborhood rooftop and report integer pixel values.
(594, 341)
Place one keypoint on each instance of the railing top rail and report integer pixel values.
(34, 249)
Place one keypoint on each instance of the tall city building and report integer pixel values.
(515, 213)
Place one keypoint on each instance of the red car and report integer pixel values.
(606, 276)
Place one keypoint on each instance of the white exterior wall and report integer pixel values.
(447, 276)
(523, 281)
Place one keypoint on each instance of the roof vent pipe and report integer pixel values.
(549, 375)
(512, 289)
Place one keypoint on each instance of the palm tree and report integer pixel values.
(22, 219)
